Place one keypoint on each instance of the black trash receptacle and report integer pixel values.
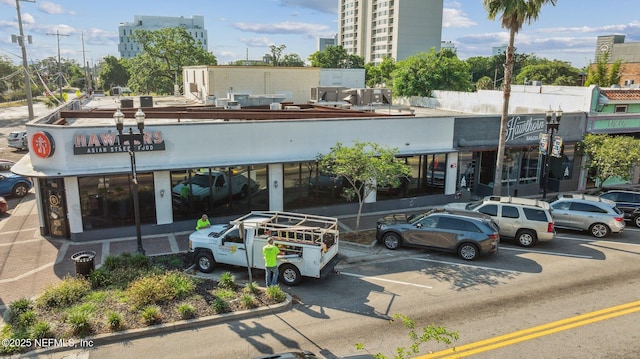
(146, 101)
(85, 263)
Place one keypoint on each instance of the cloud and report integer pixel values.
(53, 8)
(453, 17)
(324, 6)
(256, 41)
(287, 27)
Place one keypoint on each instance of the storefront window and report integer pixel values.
(306, 186)
(529, 165)
(106, 201)
(218, 191)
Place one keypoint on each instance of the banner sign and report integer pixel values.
(108, 142)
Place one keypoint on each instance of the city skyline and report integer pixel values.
(239, 29)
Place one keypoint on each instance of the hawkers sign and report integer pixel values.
(527, 129)
(108, 142)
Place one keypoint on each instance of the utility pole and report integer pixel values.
(58, 34)
(87, 78)
(25, 65)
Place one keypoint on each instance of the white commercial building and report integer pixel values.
(375, 29)
(129, 48)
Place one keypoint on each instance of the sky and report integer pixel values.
(240, 29)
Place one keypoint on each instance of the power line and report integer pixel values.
(58, 34)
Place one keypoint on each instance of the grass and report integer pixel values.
(128, 292)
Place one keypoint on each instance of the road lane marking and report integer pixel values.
(535, 332)
(465, 265)
(385, 280)
(545, 252)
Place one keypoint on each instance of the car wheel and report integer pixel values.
(289, 274)
(392, 240)
(636, 221)
(599, 230)
(468, 251)
(20, 190)
(527, 238)
(205, 262)
(243, 192)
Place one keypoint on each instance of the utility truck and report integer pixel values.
(308, 244)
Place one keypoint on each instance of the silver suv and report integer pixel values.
(597, 215)
(523, 219)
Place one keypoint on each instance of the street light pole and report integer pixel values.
(27, 78)
(131, 138)
(553, 122)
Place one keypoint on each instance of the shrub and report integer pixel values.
(248, 301)
(276, 294)
(187, 311)
(251, 288)
(41, 330)
(79, 318)
(114, 321)
(151, 315)
(18, 307)
(100, 278)
(148, 290)
(64, 293)
(27, 319)
(226, 294)
(181, 284)
(227, 280)
(219, 305)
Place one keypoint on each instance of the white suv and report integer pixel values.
(526, 220)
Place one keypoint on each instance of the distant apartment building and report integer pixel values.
(375, 29)
(129, 48)
(324, 42)
(498, 50)
(628, 53)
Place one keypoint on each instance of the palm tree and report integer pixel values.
(513, 13)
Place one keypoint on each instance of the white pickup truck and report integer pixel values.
(308, 244)
(217, 187)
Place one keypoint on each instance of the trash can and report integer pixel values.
(126, 103)
(146, 101)
(85, 263)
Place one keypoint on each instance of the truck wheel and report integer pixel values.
(205, 262)
(636, 221)
(289, 274)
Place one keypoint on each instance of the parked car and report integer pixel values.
(628, 202)
(599, 216)
(13, 184)
(526, 220)
(469, 234)
(5, 165)
(18, 140)
(326, 183)
(4, 207)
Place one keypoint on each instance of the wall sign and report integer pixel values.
(525, 128)
(42, 144)
(108, 142)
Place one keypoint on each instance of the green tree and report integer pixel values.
(603, 74)
(610, 156)
(380, 74)
(364, 166)
(420, 74)
(292, 60)
(556, 72)
(12, 76)
(276, 53)
(336, 57)
(513, 14)
(484, 83)
(164, 53)
(113, 72)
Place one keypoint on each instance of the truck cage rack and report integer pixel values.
(296, 227)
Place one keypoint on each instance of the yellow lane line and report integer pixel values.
(535, 332)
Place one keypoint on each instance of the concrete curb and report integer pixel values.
(126, 335)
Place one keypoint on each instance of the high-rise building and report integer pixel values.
(324, 42)
(375, 29)
(129, 48)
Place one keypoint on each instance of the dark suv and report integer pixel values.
(628, 202)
